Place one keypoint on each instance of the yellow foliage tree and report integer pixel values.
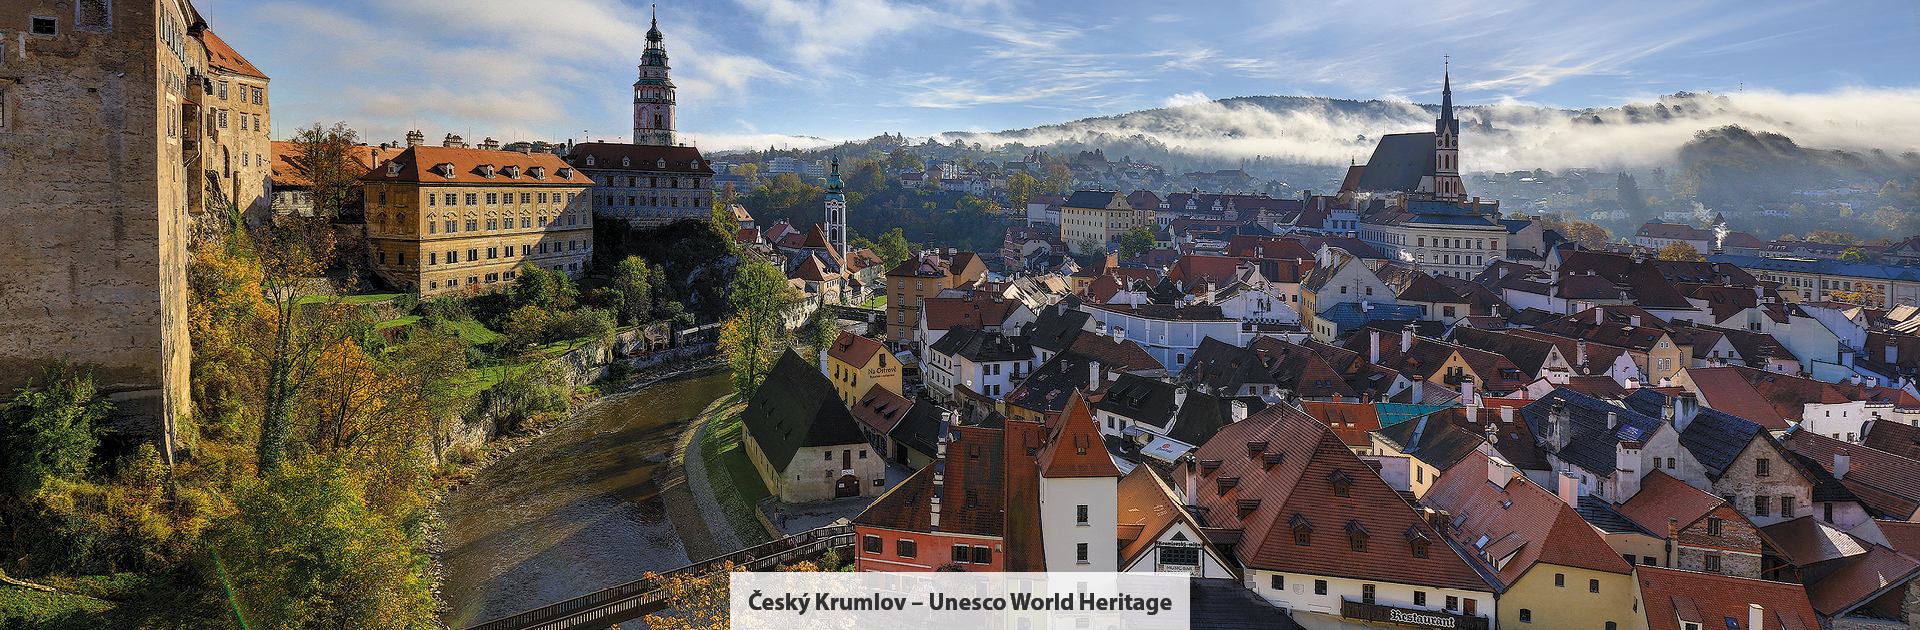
(1681, 252)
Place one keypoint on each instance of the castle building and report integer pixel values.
(653, 94)
(654, 181)
(453, 220)
(119, 131)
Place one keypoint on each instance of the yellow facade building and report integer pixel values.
(448, 220)
(855, 364)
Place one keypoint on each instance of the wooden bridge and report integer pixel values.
(641, 597)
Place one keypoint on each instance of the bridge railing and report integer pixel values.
(765, 555)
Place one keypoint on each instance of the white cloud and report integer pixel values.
(1190, 98)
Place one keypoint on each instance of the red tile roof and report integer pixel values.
(288, 160)
(1884, 481)
(1662, 497)
(854, 350)
(1707, 599)
(1350, 421)
(1147, 505)
(1076, 449)
(980, 311)
(880, 409)
(417, 164)
(1728, 389)
(1299, 491)
(1114, 354)
(971, 491)
(1521, 519)
(222, 57)
(1861, 579)
(1026, 546)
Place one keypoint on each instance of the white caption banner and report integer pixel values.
(959, 601)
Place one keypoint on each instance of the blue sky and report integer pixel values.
(753, 71)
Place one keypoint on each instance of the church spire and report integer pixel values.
(653, 94)
(836, 206)
(1446, 144)
(1447, 124)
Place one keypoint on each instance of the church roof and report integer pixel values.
(606, 156)
(1398, 162)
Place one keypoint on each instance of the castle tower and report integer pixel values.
(1446, 147)
(836, 211)
(653, 94)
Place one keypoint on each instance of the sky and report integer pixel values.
(753, 73)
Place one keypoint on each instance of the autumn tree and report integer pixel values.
(1855, 254)
(1059, 178)
(1682, 252)
(324, 157)
(1832, 237)
(750, 339)
(1588, 235)
(289, 253)
(1021, 188)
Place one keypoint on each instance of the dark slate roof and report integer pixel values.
(1716, 438)
(1055, 329)
(1599, 514)
(1399, 162)
(794, 408)
(982, 346)
(1142, 399)
(1201, 416)
(1826, 489)
(1591, 446)
(1219, 604)
(1221, 367)
(1530, 355)
(920, 428)
(1051, 384)
(1096, 199)
(1432, 440)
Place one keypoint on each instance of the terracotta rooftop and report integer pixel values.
(1662, 497)
(1709, 599)
(854, 350)
(1860, 579)
(1883, 481)
(1280, 472)
(1350, 420)
(880, 409)
(468, 166)
(222, 57)
(971, 492)
(1075, 449)
(1523, 523)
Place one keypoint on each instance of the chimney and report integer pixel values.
(1569, 488)
(1373, 355)
(1119, 334)
(1466, 394)
(1419, 390)
(1093, 375)
(1560, 425)
(1191, 475)
(1626, 466)
(490, 144)
(1599, 316)
(415, 138)
(1842, 464)
(1179, 397)
(453, 142)
(1756, 617)
(1613, 420)
(1239, 410)
(1581, 353)
(1406, 339)
(1685, 407)
(1506, 414)
(1498, 473)
(1633, 320)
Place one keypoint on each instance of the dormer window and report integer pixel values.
(538, 172)
(694, 164)
(589, 160)
(1208, 466)
(1340, 482)
(393, 169)
(1255, 448)
(626, 161)
(1356, 537)
(513, 171)
(1417, 542)
(486, 170)
(445, 169)
(565, 173)
(1302, 530)
(1271, 459)
(661, 163)
(1226, 484)
(1248, 506)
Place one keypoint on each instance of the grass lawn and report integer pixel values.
(473, 332)
(878, 301)
(77, 607)
(727, 465)
(396, 322)
(486, 377)
(364, 298)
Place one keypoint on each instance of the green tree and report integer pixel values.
(868, 177)
(304, 550)
(50, 433)
(534, 285)
(1588, 235)
(1831, 237)
(760, 297)
(527, 326)
(1682, 252)
(1855, 254)
(1136, 241)
(750, 173)
(903, 160)
(1628, 193)
(324, 157)
(1021, 189)
(632, 278)
(289, 253)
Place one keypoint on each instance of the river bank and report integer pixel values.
(571, 505)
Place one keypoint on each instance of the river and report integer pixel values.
(575, 511)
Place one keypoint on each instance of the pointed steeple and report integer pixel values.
(653, 34)
(1447, 124)
(833, 179)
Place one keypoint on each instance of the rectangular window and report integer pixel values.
(1786, 507)
(223, 118)
(473, 225)
(1279, 582)
(1319, 587)
(872, 544)
(452, 199)
(1762, 467)
(1711, 563)
(1419, 598)
(1593, 586)
(430, 200)
(44, 26)
(453, 256)
(1453, 603)
(1080, 553)
(1761, 505)
(1080, 515)
(473, 255)
(983, 555)
(473, 199)
(258, 94)
(493, 198)
(493, 224)
(1366, 593)
(904, 548)
(1468, 607)
(961, 554)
